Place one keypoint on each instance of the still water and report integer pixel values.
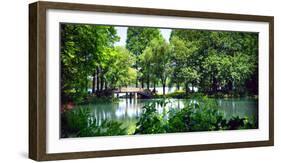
(127, 111)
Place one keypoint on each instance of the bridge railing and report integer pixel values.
(130, 90)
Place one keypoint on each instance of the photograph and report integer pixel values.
(108, 80)
(127, 80)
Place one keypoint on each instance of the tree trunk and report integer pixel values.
(230, 86)
(93, 83)
(105, 85)
(164, 86)
(101, 82)
(214, 86)
(137, 76)
(98, 79)
(178, 86)
(142, 83)
(186, 88)
(147, 83)
(86, 84)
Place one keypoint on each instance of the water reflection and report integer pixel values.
(128, 111)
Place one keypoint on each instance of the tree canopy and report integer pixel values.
(211, 61)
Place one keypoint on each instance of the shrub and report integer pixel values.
(96, 99)
(106, 128)
(198, 115)
(75, 120)
(241, 123)
(152, 122)
(80, 123)
(177, 94)
(202, 114)
(180, 94)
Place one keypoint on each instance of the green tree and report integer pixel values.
(218, 67)
(138, 38)
(214, 56)
(82, 49)
(241, 70)
(121, 72)
(184, 66)
(146, 64)
(162, 53)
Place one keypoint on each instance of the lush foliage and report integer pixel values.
(151, 121)
(138, 39)
(197, 115)
(87, 53)
(216, 61)
(83, 50)
(156, 62)
(211, 61)
(80, 123)
(202, 114)
(119, 71)
(184, 69)
(203, 63)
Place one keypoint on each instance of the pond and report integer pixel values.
(128, 110)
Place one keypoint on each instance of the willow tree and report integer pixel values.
(146, 64)
(162, 55)
(121, 73)
(138, 39)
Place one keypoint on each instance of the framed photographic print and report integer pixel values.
(112, 81)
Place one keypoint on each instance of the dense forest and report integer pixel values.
(213, 62)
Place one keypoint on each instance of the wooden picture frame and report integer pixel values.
(37, 79)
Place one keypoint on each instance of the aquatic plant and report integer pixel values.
(106, 128)
(198, 115)
(202, 114)
(80, 123)
(152, 122)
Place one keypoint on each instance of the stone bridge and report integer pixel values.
(136, 91)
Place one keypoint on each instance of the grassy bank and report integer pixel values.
(182, 95)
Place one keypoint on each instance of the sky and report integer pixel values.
(122, 33)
